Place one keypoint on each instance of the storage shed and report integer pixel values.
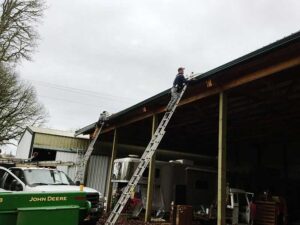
(57, 145)
(49, 143)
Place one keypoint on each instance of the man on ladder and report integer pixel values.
(178, 84)
(103, 117)
(82, 165)
(179, 88)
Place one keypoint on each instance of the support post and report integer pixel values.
(151, 176)
(110, 172)
(222, 148)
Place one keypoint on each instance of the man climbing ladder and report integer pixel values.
(102, 119)
(80, 173)
(178, 84)
(148, 153)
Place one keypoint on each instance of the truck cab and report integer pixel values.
(35, 179)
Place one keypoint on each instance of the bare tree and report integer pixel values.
(18, 107)
(18, 33)
(18, 102)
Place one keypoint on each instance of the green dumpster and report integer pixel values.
(8, 217)
(59, 215)
(20, 208)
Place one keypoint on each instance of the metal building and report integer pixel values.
(245, 112)
(57, 145)
(47, 142)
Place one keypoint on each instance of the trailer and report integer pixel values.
(178, 181)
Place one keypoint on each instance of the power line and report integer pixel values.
(72, 101)
(83, 91)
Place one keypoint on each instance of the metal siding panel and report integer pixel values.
(60, 142)
(97, 173)
(24, 145)
(67, 157)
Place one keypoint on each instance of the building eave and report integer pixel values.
(199, 78)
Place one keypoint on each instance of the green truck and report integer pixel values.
(44, 208)
(36, 179)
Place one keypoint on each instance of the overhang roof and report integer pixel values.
(161, 98)
(48, 131)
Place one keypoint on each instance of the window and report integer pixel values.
(235, 198)
(243, 200)
(228, 200)
(2, 173)
(19, 173)
(2, 178)
(46, 177)
(9, 182)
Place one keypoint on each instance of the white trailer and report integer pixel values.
(179, 181)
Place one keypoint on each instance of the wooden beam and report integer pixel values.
(222, 159)
(151, 176)
(110, 172)
(246, 78)
(166, 153)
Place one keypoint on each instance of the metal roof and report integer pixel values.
(49, 131)
(212, 73)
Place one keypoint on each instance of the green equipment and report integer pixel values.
(59, 208)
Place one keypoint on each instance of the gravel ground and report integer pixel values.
(124, 220)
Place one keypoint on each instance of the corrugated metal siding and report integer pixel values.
(67, 157)
(60, 142)
(97, 172)
(24, 146)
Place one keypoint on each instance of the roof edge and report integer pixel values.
(210, 73)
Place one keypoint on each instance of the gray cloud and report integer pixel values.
(130, 49)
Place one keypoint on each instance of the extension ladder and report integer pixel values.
(80, 173)
(144, 161)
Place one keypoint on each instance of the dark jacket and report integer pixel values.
(179, 81)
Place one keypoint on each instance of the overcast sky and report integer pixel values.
(108, 55)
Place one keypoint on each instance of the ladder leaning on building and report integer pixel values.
(144, 160)
(82, 164)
